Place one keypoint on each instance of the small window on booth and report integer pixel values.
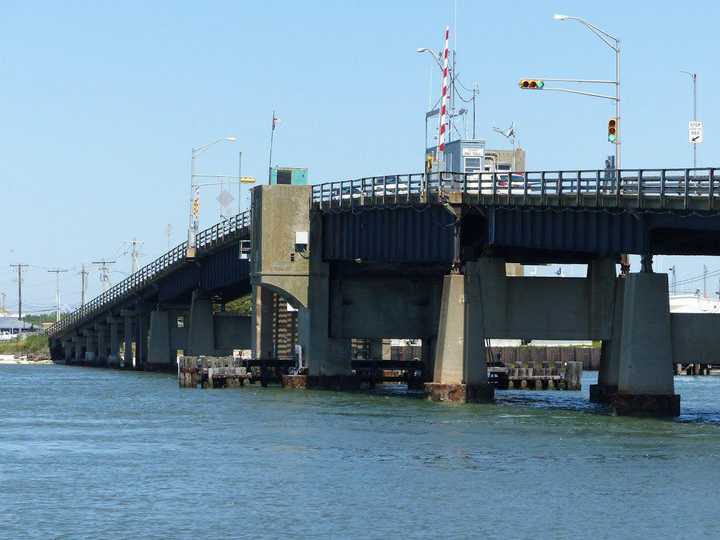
(473, 164)
(284, 176)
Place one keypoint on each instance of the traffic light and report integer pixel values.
(428, 163)
(613, 130)
(531, 84)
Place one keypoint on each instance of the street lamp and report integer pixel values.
(509, 134)
(614, 43)
(435, 54)
(194, 218)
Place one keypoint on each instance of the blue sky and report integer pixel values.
(102, 101)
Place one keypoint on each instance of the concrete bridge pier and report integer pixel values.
(160, 350)
(329, 359)
(128, 316)
(113, 359)
(68, 350)
(645, 376)
(201, 331)
(90, 345)
(460, 370)
(142, 328)
(429, 345)
(79, 342)
(262, 322)
(609, 372)
(101, 331)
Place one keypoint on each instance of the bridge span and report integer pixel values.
(426, 256)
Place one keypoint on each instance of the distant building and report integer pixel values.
(11, 328)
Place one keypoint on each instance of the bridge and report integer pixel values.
(430, 257)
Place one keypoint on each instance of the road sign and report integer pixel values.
(695, 132)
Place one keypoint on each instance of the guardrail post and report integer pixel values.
(639, 187)
(559, 188)
(494, 186)
(711, 188)
(542, 188)
(597, 187)
(662, 188)
(687, 188)
(579, 189)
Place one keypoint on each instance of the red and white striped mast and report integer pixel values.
(443, 103)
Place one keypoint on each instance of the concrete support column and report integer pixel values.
(201, 331)
(69, 350)
(428, 357)
(141, 342)
(159, 351)
(458, 370)
(609, 373)
(78, 342)
(114, 341)
(477, 388)
(128, 335)
(262, 322)
(90, 345)
(645, 380)
(102, 343)
(460, 363)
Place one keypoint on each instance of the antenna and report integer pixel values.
(57, 272)
(103, 267)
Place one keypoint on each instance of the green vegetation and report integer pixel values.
(37, 320)
(29, 345)
(242, 305)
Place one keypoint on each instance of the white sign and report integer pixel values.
(695, 132)
(473, 152)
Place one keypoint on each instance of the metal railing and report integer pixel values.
(676, 187)
(206, 239)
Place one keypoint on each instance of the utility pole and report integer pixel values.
(57, 272)
(104, 269)
(19, 278)
(168, 233)
(2, 302)
(674, 279)
(476, 91)
(272, 139)
(693, 78)
(83, 284)
(134, 254)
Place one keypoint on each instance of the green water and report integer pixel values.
(91, 453)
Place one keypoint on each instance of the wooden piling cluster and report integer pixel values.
(212, 372)
(589, 357)
(695, 369)
(553, 375)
